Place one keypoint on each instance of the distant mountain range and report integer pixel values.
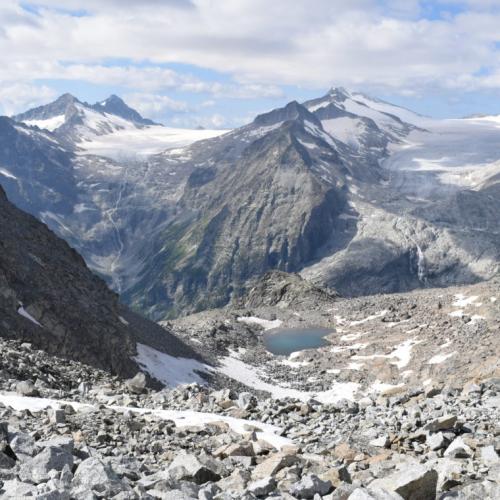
(350, 191)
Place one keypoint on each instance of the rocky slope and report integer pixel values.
(49, 298)
(106, 439)
(383, 343)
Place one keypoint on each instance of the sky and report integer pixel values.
(218, 63)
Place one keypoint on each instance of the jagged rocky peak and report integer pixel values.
(116, 106)
(67, 115)
(339, 93)
(292, 111)
(56, 108)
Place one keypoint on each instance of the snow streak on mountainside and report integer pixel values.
(356, 193)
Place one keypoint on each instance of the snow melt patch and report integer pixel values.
(128, 141)
(264, 323)
(462, 300)
(440, 358)
(402, 352)
(23, 312)
(345, 129)
(354, 366)
(351, 336)
(250, 376)
(169, 370)
(47, 124)
(295, 364)
(377, 315)
(380, 387)
(7, 174)
(353, 347)
(266, 432)
(123, 320)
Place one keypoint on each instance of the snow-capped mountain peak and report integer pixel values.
(67, 112)
(109, 128)
(116, 106)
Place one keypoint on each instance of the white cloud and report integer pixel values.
(155, 106)
(213, 121)
(16, 97)
(263, 45)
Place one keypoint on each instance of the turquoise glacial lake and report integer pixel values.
(284, 341)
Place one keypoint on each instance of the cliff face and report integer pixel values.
(268, 209)
(49, 298)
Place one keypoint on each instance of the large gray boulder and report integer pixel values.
(414, 482)
(309, 486)
(96, 476)
(38, 469)
(26, 388)
(189, 467)
(23, 445)
(137, 384)
(373, 494)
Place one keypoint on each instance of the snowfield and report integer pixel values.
(449, 154)
(49, 124)
(167, 369)
(250, 376)
(136, 143)
(264, 323)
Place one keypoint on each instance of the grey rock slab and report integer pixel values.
(95, 475)
(137, 384)
(380, 442)
(458, 449)
(309, 486)
(475, 491)
(14, 490)
(414, 482)
(262, 487)
(65, 442)
(22, 444)
(436, 441)
(246, 401)
(39, 468)
(441, 423)
(373, 494)
(189, 467)
(273, 464)
(6, 462)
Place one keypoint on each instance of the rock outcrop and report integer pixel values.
(49, 298)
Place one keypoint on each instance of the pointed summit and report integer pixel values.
(50, 116)
(339, 91)
(115, 105)
(292, 111)
(66, 98)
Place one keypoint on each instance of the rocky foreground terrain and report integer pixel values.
(71, 431)
(403, 402)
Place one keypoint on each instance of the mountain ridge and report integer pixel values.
(386, 225)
